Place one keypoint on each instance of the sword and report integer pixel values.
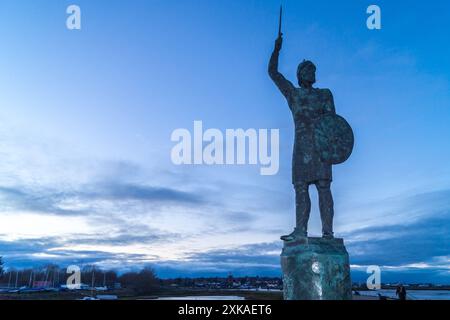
(280, 34)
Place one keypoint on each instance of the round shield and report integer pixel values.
(333, 138)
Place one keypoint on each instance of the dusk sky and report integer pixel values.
(87, 115)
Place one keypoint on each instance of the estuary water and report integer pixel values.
(412, 294)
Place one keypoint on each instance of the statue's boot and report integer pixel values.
(295, 235)
(328, 236)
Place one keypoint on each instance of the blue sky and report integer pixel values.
(86, 118)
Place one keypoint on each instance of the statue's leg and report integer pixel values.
(303, 208)
(326, 206)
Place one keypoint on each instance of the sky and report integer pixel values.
(87, 115)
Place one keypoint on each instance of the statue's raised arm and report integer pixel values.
(285, 86)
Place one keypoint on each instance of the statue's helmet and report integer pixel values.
(306, 72)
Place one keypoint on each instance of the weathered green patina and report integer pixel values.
(316, 269)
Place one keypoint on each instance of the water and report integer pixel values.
(412, 294)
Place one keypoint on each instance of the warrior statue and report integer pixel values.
(322, 139)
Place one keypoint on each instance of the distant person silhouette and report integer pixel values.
(401, 292)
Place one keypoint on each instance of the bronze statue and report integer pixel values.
(322, 138)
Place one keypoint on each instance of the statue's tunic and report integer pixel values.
(307, 106)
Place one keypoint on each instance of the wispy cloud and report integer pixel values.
(58, 201)
(68, 209)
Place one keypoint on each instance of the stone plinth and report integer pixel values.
(316, 269)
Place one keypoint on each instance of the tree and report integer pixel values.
(143, 282)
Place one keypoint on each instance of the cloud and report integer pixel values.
(409, 229)
(44, 200)
(401, 244)
(414, 248)
(420, 243)
(263, 254)
(65, 250)
(128, 191)
(208, 228)
(249, 260)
